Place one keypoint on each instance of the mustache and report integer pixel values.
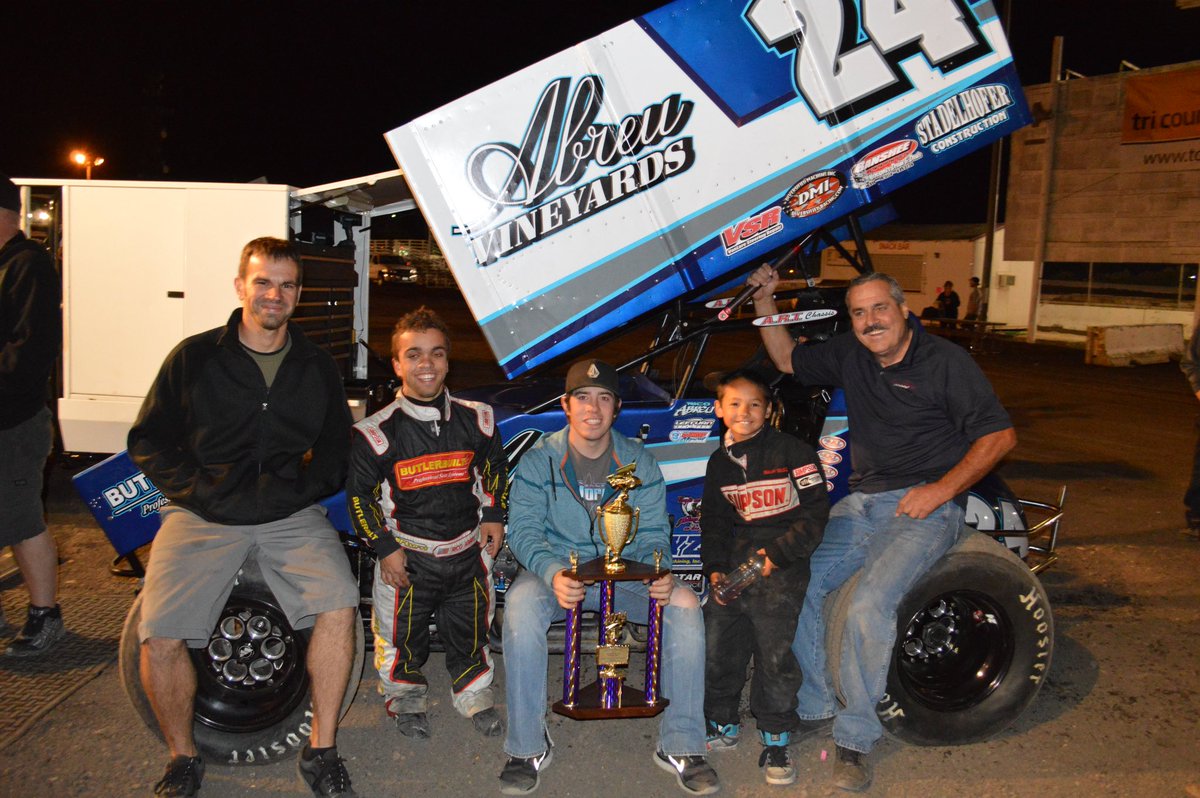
(870, 328)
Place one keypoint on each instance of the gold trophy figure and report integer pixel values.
(618, 522)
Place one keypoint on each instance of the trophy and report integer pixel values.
(618, 523)
(608, 696)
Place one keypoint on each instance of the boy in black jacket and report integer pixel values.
(764, 493)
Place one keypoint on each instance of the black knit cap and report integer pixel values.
(10, 195)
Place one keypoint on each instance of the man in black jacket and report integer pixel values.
(245, 428)
(29, 338)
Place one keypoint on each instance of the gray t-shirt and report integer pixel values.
(591, 475)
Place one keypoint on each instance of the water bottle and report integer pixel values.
(742, 577)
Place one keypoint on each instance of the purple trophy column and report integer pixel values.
(571, 657)
(653, 651)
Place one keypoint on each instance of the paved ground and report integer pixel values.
(1116, 716)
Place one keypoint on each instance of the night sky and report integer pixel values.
(302, 93)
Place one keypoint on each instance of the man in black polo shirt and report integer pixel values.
(926, 426)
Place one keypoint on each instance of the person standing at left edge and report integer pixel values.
(29, 338)
(245, 428)
(426, 473)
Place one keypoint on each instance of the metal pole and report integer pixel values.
(1039, 241)
(993, 212)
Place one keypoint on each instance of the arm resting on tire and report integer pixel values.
(983, 455)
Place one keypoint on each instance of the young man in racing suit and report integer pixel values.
(426, 473)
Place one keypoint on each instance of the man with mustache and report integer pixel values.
(927, 425)
(245, 428)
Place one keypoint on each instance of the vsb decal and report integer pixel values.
(752, 230)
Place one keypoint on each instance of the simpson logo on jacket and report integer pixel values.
(432, 473)
(764, 493)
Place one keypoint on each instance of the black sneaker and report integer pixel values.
(775, 760)
(326, 774)
(807, 729)
(43, 628)
(851, 771)
(413, 724)
(521, 775)
(693, 773)
(182, 778)
(488, 722)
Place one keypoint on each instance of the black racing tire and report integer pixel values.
(243, 725)
(974, 641)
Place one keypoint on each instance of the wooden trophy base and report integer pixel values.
(588, 707)
(593, 571)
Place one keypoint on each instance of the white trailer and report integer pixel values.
(145, 264)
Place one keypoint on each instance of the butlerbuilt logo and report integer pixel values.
(564, 139)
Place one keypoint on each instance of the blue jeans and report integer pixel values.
(529, 609)
(893, 552)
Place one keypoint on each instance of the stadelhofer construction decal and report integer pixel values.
(613, 177)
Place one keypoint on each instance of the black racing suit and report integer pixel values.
(764, 493)
(423, 477)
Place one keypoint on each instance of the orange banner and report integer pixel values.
(1162, 108)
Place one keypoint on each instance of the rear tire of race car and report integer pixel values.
(974, 641)
(243, 726)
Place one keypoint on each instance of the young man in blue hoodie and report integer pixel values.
(558, 485)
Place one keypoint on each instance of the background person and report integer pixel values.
(426, 477)
(927, 425)
(244, 429)
(1191, 499)
(974, 301)
(29, 342)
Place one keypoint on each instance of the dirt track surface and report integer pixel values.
(1116, 717)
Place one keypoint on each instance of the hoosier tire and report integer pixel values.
(244, 715)
(974, 641)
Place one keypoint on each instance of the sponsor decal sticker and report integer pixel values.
(433, 469)
(696, 422)
(687, 435)
(883, 162)
(137, 493)
(810, 480)
(694, 408)
(568, 129)
(752, 230)
(831, 458)
(814, 194)
(762, 498)
(832, 442)
(689, 520)
(830, 471)
(794, 317)
(964, 116)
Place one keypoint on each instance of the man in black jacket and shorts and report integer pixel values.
(244, 429)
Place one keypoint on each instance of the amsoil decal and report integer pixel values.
(762, 499)
(814, 194)
(433, 469)
(883, 162)
(136, 493)
(752, 230)
(964, 116)
(564, 138)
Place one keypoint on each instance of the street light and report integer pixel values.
(86, 161)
